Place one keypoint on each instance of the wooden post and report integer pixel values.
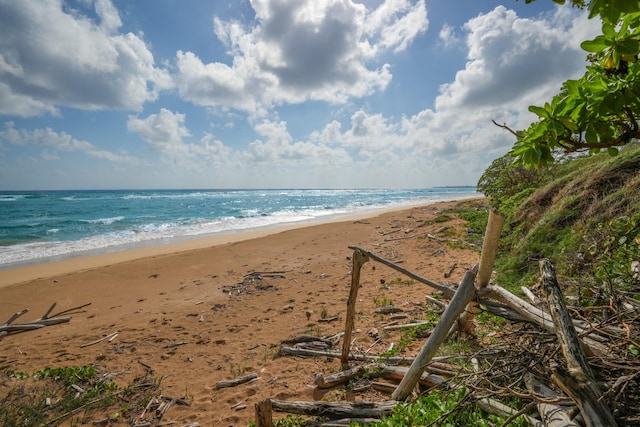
(359, 258)
(264, 417)
(489, 247)
(464, 295)
(578, 382)
(487, 259)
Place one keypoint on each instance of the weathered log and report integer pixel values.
(236, 381)
(552, 415)
(305, 338)
(263, 413)
(303, 352)
(492, 406)
(333, 410)
(375, 370)
(533, 314)
(388, 310)
(465, 294)
(359, 258)
(489, 247)
(487, 258)
(578, 382)
(404, 326)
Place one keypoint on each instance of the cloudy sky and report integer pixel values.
(99, 94)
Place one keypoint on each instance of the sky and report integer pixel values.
(149, 94)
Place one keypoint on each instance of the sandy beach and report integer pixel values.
(157, 297)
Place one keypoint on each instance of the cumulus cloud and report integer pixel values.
(166, 134)
(448, 36)
(278, 147)
(510, 57)
(301, 50)
(51, 56)
(48, 139)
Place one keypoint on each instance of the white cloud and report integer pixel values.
(398, 23)
(510, 58)
(448, 36)
(277, 147)
(163, 132)
(51, 57)
(49, 139)
(301, 50)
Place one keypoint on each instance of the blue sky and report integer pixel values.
(110, 94)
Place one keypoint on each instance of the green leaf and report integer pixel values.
(573, 87)
(627, 47)
(608, 30)
(625, 6)
(611, 14)
(539, 111)
(590, 135)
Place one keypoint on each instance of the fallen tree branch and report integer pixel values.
(8, 327)
(236, 381)
(333, 410)
(578, 382)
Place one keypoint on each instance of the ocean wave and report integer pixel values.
(105, 221)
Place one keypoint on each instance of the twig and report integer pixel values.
(106, 337)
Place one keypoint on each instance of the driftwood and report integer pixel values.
(552, 415)
(109, 337)
(359, 258)
(236, 381)
(264, 416)
(532, 314)
(586, 339)
(375, 370)
(45, 320)
(487, 258)
(578, 382)
(335, 410)
(465, 293)
(303, 352)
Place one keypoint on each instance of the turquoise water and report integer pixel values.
(50, 225)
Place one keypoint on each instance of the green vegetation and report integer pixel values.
(442, 409)
(53, 395)
(601, 109)
(583, 214)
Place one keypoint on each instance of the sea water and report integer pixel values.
(41, 226)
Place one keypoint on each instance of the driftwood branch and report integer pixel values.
(578, 382)
(236, 381)
(552, 415)
(359, 258)
(375, 370)
(449, 292)
(335, 410)
(464, 295)
(45, 320)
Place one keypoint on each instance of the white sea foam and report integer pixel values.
(152, 233)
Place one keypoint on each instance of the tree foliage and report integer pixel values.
(600, 110)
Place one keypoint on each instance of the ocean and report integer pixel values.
(43, 226)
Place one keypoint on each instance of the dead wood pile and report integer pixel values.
(566, 365)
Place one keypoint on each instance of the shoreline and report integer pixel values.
(40, 269)
(194, 317)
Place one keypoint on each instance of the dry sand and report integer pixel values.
(157, 297)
